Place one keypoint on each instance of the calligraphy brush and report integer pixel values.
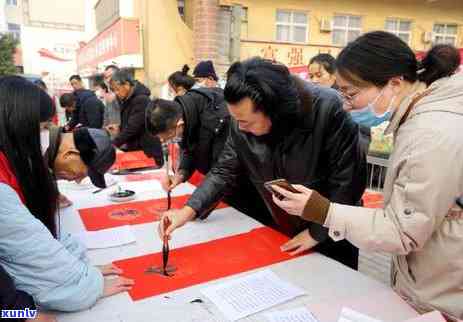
(165, 247)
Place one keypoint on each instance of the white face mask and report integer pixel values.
(44, 140)
(199, 85)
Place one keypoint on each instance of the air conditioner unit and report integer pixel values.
(427, 37)
(325, 25)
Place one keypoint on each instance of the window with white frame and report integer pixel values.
(346, 28)
(445, 33)
(12, 2)
(15, 30)
(402, 28)
(244, 22)
(181, 8)
(292, 26)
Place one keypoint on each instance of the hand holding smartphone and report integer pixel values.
(282, 183)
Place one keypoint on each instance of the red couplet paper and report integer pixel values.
(131, 213)
(132, 160)
(205, 262)
(373, 200)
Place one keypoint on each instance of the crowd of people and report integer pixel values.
(266, 124)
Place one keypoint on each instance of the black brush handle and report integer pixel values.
(165, 256)
(165, 247)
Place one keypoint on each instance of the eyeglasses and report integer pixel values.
(349, 97)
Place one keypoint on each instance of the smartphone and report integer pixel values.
(282, 183)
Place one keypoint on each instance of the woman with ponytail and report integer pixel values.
(180, 82)
(441, 61)
(421, 223)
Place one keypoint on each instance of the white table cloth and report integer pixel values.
(329, 285)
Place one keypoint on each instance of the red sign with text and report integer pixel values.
(121, 38)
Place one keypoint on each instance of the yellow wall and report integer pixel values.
(189, 10)
(167, 41)
(139, 75)
(423, 14)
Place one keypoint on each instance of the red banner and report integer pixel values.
(132, 160)
(131, 213)
(205, 262)
(301, 71)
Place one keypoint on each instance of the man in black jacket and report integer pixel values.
(285, 128)
(13, 299)
(199, 122)
(87, 109)
(133, 98)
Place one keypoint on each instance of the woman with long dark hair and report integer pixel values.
(50, 266)
(421, 223)
(20, 147)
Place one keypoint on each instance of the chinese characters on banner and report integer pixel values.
(296, 57)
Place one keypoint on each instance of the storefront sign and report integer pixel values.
(121, 38)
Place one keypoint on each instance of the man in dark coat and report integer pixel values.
(284, 128)
(133, 98)
(199, 122)
(83, 106)
(87, 109)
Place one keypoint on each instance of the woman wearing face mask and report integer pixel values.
(322, 70)
(445, 55)
(50, 266)
(180, 82)
(421, 224)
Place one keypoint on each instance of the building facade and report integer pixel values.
(49, 32)
(293, 31)
(148, 37)
(176, 32)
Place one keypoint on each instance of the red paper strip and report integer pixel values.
(205, 262)
(132, 160)
(373, 200)
(131, 213)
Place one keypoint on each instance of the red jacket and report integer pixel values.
(7, 176)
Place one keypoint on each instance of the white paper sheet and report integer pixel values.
(86, 183)
(429, 317)
(300, 314)
(141, 187)
(349, 315)
(107, 238)
(253, 293)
